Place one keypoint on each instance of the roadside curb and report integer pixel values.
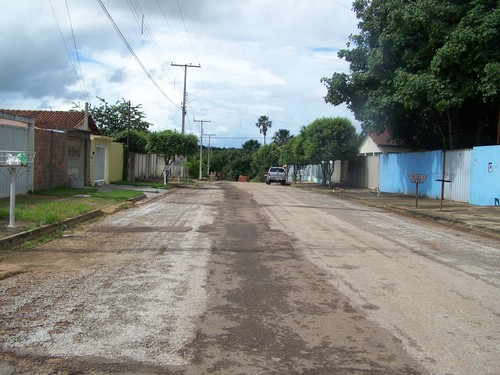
(18, 238)
(425, 216)
(138, 198)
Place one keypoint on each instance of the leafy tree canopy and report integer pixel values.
(137, 140)
(428, 70)
(264, 158)
(230, 163)
(293, 153)
(168, 143)
(112, 119)
(327, 140)
(251, 145)
(281, 136)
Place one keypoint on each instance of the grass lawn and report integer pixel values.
(54, 205)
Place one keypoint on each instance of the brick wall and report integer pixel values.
(50, 161)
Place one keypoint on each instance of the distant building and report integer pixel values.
(375, 144)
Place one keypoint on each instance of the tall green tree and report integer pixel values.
(169, 143)
(294, 157)
(264, 124)
(218, 161)
(137, 140)
(237, 163)
(428, 70)
(264, 158)
(281, 136)
(251, 145)
(113, 119)
(327, 140)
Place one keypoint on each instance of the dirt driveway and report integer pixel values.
(252, 279)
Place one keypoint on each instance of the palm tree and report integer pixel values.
(281, 136)
(263, 124)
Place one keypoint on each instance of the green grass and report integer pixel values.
(54, 205)
(118, 194)
(66, 191)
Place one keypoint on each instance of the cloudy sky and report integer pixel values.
(257, 57)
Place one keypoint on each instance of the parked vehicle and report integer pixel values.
(276, 174)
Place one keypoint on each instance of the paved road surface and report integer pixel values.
(238, 278)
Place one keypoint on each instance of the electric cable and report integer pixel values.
(133, 53)
(76, 52)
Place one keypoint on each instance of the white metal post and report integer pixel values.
(12, 207)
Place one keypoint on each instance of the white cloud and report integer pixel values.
(258, 57)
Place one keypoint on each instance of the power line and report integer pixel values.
(78, 77)
(171, 30)
(76, 52)
(64, 41)
(185, 28)
(342, 5)
(150, 39)
(133, 53)
(274, 119)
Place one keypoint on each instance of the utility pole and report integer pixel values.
(129, 163)
(184, 96)
(201, 142)
(128, 126)
(209, 152)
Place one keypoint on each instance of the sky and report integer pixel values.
(257, 58)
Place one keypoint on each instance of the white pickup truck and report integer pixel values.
(276, 174)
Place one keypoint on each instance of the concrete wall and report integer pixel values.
(50, 161)
(372, 172)
(113, 159)
(115, 172)
(485, 175)
(472, 176)
(364, 172)
(395, 170)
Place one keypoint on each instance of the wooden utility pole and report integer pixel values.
(184, 95)
(201, 143)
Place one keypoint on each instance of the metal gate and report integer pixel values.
(457, 168)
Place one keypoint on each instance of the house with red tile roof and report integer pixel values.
(365, 170)
(63, 146)
(376, 144)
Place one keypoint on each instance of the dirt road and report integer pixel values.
(237, 278)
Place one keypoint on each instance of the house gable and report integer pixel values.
(369, 147)
(376, 144)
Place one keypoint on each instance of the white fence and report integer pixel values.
(145, 166)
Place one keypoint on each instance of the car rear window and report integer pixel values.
(277, 169)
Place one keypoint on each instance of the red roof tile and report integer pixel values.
(384, 139)
(64, 120)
